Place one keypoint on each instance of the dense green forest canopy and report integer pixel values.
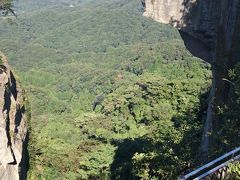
(145, 86)
(113, 95)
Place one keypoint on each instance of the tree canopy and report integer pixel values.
(6, 7)
(149, 94)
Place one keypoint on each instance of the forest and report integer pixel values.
(112, 94)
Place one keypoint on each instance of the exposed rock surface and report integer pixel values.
(189, 16)
(13, 125)
(199, 18)
(164, 11)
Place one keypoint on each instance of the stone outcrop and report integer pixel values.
(13, 125)
(199, 18)
(174, 12)
(197, 25)
(164, 11)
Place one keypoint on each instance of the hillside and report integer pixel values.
(112, 93)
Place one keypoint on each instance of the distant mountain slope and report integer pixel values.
(29, 6)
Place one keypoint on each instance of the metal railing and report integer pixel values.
(216, 169)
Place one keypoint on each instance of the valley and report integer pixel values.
(112, 94)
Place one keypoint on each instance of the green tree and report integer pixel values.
(6, 7)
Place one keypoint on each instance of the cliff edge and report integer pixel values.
(210, 21)
(13, 125)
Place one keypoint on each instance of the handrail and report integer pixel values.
(217, 168)
(203, 169)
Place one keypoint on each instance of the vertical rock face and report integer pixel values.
(13, 125)
(195, 18)
(164, 11)
(199, 18)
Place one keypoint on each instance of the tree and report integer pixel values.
(6, 7)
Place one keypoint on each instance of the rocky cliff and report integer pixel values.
(13, 125)
(211, 31)
(208, 20)
(199, 18)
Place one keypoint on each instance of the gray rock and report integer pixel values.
(13, 125)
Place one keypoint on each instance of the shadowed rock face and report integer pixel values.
(197, 47)
(193, 17)
(13, 125)
(201, 19)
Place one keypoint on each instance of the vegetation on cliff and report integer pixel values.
(228, 133)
